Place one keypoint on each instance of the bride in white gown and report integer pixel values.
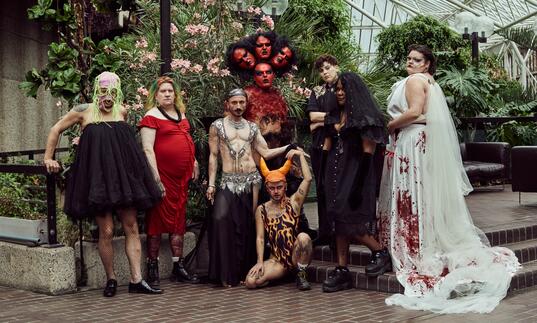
(444, 262)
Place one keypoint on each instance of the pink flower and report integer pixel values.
(207, 3)
(173, 28)
(143, 91)
(236, 25)
(149, 56)
(307, 92)
(268, 21)
(224, 72)
(254, 10)
(197, 29)
(197, 68)
(137, 106)
(142, 43)
(188, 1)
(182, 64)
(75, 141)
(212, 66)
(196, 15)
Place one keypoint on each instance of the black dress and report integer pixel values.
(350, 173)
(110, 172)
(343, 163)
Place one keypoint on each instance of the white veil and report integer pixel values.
(479, 276)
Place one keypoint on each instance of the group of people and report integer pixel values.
(419, 226)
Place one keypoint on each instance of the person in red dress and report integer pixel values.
(170, 151)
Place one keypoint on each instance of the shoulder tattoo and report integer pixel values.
(81, 107)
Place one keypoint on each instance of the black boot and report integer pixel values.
(153, 278)
(143, 288)
(302, 282)
(179, 273)
(338, 280)
(380, 263)
(111, 288)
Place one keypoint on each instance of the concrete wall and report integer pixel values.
(24, 122)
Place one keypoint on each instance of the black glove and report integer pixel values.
(355, 197)
(289, 148)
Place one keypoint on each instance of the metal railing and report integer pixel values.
(50, 185)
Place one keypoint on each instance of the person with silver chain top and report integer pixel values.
(231, 226)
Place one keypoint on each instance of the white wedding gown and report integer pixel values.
(444, 262)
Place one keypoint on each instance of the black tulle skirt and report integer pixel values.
(110, 172)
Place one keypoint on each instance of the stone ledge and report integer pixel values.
(96, 277)
(44, 270)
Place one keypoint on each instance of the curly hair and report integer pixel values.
(325, 58)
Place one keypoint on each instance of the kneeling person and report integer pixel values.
(279, 217)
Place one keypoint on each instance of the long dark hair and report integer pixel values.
(427, 53)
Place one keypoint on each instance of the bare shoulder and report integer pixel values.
(81, 107)
(417, 82)
(152, 112)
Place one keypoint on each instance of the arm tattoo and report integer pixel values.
(81, 107)
(301, 191)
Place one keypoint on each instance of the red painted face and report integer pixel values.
(263, 47)
(263, 75)
(282, 58)
(244, 58)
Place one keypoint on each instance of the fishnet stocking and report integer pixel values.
(176, 245)
(153, 246)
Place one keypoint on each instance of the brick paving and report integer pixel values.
(205, 303)
(492, 211)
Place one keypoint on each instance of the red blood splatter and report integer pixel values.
(403, 168)
(421, 141)
(409, 226)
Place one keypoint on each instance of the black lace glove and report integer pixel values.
(355, 197)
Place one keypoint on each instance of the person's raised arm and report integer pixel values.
(416, 96)
(213, 162)
(76, 115)
(299, 196)
(262, 148)
(317, 116)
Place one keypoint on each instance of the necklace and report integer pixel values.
(237, 124)
(167, 116)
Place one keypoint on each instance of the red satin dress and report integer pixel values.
(174, 152)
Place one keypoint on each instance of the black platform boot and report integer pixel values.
(179, 273)
(338, 280)
(153, 277)
(380, 263)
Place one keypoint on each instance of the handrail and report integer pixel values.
(51, 194)
(29, 153)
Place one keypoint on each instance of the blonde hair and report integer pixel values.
(152, 101)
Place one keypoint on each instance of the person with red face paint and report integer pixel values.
(231, 226)
(110, 174)
(279, 218)
(240, 57)
(284, 58)
(263, 44)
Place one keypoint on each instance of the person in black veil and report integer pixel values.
(353, 130)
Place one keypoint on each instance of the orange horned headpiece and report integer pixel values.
(277, 175)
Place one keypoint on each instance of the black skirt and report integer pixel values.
(110, 172)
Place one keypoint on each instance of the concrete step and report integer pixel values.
(318, 271)
(522, 240)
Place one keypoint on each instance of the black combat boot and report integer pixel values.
(302, 282)
(153, 278)
(380, 263)
(338, 280)
(179, 273)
